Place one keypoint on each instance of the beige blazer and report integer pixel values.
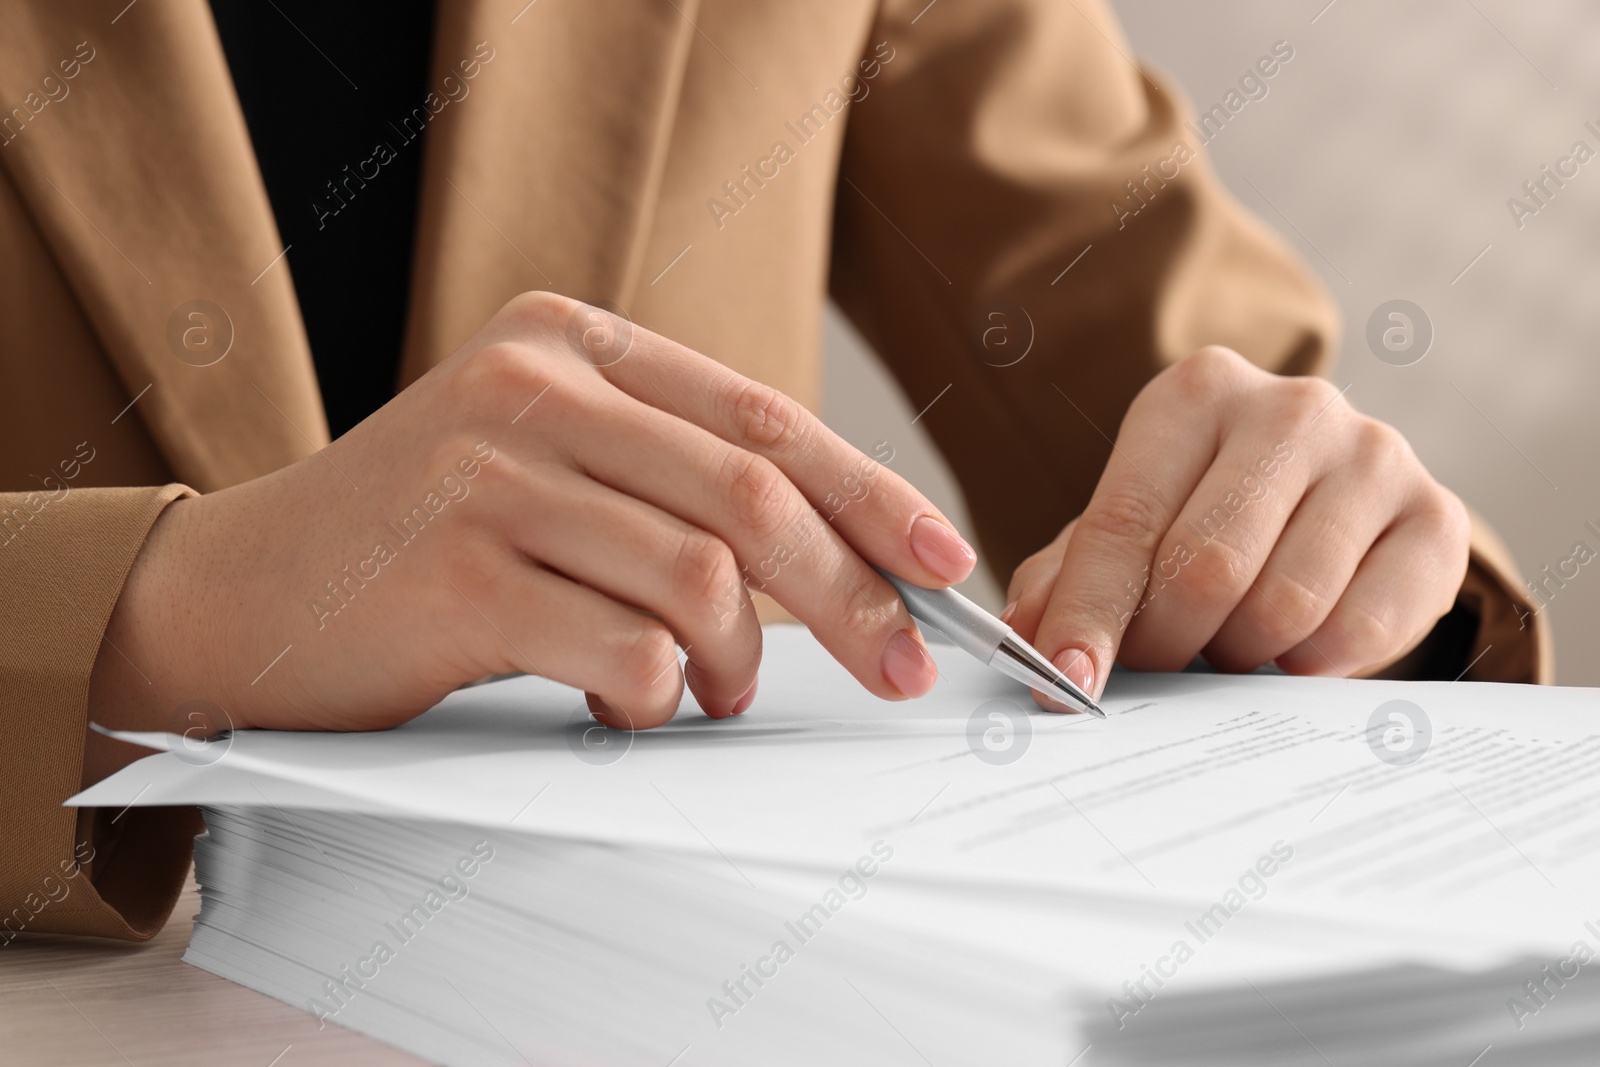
(713, 167)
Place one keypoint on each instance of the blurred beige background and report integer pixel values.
(1385, 152)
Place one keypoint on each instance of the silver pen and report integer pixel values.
(975, 631)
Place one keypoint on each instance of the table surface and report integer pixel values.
(82, 1001)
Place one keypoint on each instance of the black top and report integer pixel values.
(322, 85)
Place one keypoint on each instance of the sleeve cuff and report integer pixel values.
(1512, 642)
(63, 562)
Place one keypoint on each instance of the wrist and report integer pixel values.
(136, 683)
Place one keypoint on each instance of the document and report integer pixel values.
(1259, 848)
(1418, 801)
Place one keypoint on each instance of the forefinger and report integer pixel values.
(878, 513)
(1161, 453)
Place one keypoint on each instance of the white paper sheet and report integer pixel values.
(1210, 795)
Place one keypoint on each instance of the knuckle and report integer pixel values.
(1396, 446)
(1306, 399)
(1218, 359)
(496, 368)
(1287, 610)
(758, 494)
(538, 308)
(768, 418)
(1381, 449)
(1361, 636)
(856, 612)
(1445, 509)
(1125, 517)
(1219, 573)
(704, 569)
(647, 659)
(1206, 372)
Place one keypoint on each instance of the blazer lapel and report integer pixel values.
(143, 182)
(139, 173)
(545, 174)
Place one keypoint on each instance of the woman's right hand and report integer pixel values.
(567, 495)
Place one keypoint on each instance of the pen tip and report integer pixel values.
(1070, 695)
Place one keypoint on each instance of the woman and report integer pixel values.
(231, 234)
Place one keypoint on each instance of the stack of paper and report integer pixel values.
(1225, 871)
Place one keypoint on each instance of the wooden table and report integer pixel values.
(82, 1001)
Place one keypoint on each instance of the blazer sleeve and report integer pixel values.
(1027, 217)
(63, 561)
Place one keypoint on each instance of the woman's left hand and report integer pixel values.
(1249, 518)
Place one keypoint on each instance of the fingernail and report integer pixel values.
(1011, 609)
(746, 700)
(907, 665)
(941, 549)
(1077, 665)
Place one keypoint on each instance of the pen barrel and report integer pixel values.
(968, 626)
